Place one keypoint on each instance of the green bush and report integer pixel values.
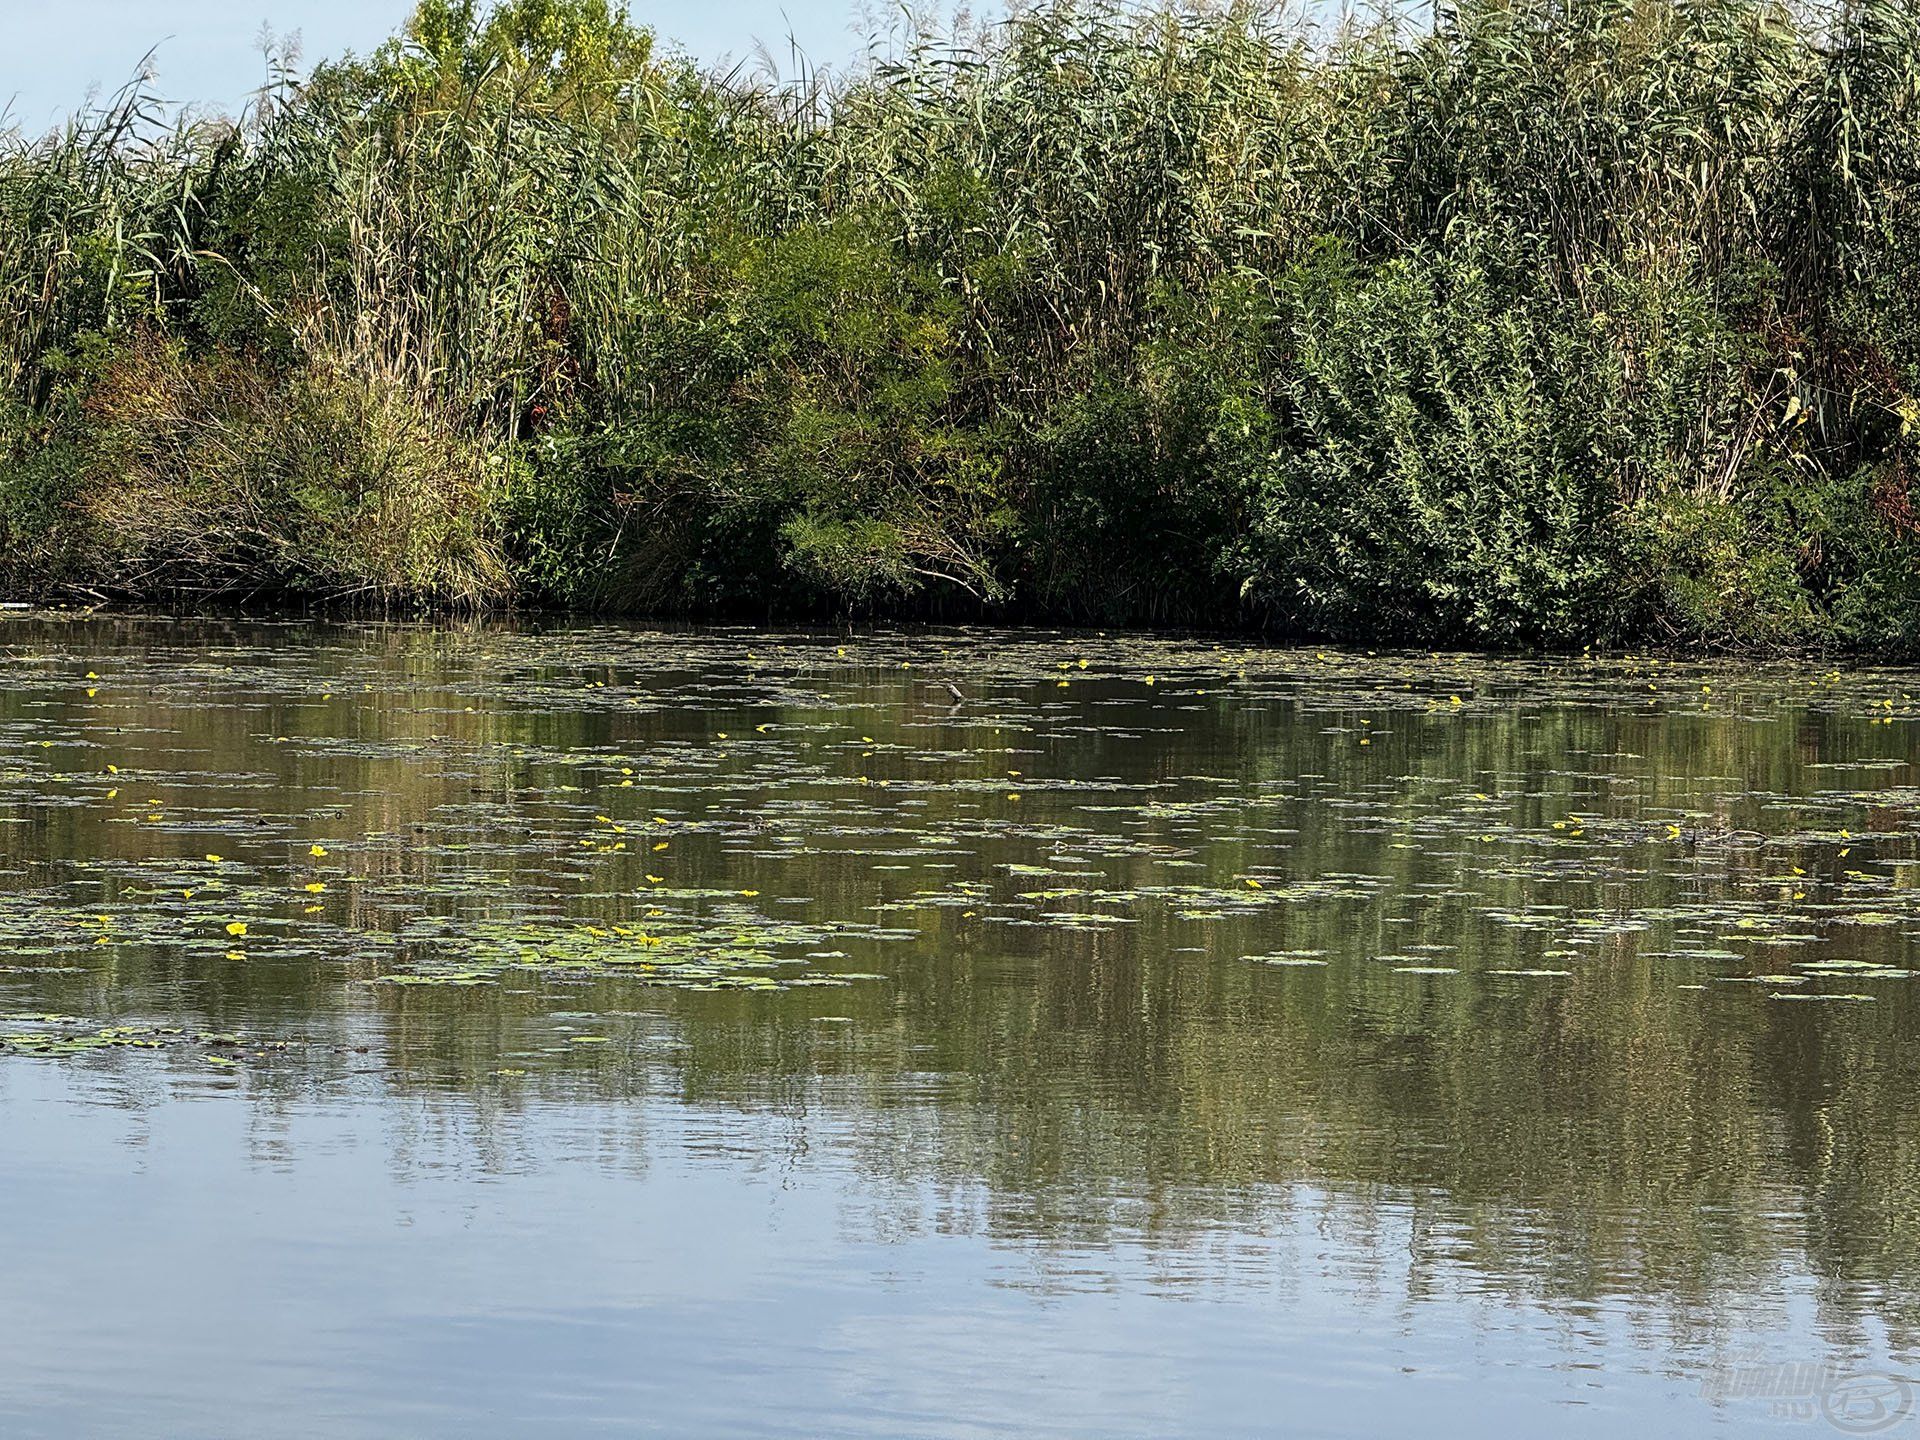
(1520, 322)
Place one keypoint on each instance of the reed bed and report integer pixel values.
(1510, 322)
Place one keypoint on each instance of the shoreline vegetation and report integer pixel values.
(1522, 323)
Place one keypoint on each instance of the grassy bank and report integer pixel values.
(1547, 321)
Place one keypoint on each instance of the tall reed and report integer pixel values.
(1509, 320)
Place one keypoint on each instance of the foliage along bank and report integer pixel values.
(1535, 322)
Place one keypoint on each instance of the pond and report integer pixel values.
(525, 1030)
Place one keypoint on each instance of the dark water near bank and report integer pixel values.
(602, 1032)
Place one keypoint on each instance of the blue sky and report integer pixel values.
(51, 51)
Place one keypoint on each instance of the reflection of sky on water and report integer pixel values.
(347, 1268)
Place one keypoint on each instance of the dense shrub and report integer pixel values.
(210, 477)
(1519, 322)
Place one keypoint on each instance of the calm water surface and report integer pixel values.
(490, 1032)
